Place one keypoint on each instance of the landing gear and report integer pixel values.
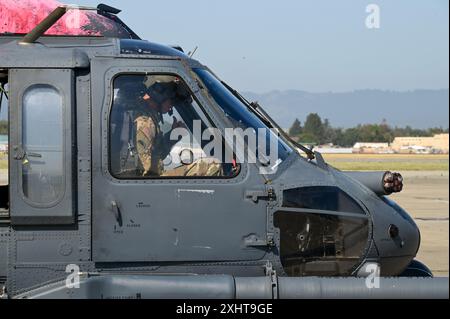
(417, 269)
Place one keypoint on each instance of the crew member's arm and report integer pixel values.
(145, 137)
(168, 142)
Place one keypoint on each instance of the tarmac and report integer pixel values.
(426, 198)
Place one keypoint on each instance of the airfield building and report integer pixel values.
(436, 144)
(371, 148)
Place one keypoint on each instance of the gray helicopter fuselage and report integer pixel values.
(307, 219)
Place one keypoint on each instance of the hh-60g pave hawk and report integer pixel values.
(89, 212)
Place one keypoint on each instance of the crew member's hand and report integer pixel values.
(177, 124)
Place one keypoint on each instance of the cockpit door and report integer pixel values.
(163, 218)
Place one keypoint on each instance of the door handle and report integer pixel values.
(33, 155)
(19, 153)
(117, 214)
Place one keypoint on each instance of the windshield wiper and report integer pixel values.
(263, 116)
(310, 153)
(247, 104)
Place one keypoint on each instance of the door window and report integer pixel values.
(42, 140)
(4, 144)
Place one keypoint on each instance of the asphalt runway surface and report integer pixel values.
(426, 198)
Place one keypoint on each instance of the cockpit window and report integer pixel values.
(153, 131)
(321, 244)
(327, 198)
(238, 113)
(326, 235)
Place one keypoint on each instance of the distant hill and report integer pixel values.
(418, 109)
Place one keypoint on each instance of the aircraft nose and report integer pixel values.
(397, 237)
(406, 236)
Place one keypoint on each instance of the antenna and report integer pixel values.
(46, 24)
(191, 54)
(49, 21)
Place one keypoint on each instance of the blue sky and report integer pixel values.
(316, 46)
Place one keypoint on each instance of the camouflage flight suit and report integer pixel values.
(152, 147)
(149, 144)
(209, 167)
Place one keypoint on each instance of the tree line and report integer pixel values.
(318, 132)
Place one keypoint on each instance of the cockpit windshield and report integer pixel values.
(20, 17)
(237, 112)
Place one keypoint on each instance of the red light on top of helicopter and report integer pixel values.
(20, 17)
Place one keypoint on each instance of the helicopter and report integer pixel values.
(85, 215)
